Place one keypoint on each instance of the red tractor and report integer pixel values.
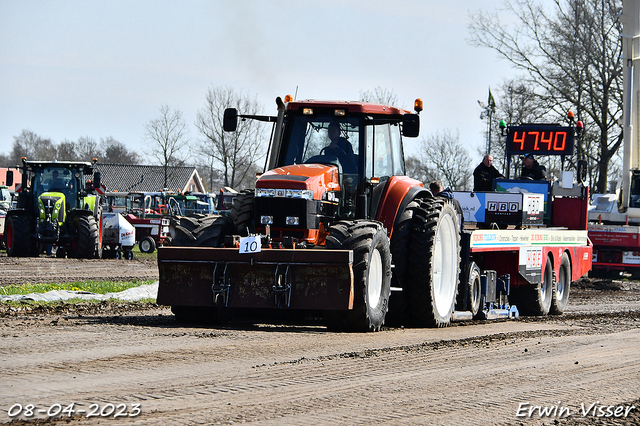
(333, 226)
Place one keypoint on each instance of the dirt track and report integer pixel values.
(48, 269)
(299, 373)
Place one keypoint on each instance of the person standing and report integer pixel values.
(437, 191)
(531, 169)
(484, 174)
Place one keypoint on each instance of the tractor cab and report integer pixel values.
(328, 161)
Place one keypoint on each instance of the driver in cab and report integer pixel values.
(55, 183)
(341, 148)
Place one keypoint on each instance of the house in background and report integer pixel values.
(17, 176)
(132, 177)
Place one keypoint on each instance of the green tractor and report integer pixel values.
(56, 208)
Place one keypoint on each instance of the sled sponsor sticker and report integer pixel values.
(250, 244)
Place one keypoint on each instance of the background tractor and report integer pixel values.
(57, 206)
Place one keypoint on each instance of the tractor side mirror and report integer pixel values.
(97, 180)
(411, 125)
(9, 179)
(230, 120)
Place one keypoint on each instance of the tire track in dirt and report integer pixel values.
(325, 389)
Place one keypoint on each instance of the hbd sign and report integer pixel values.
(503, 206)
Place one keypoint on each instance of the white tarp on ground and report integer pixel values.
(148, 291)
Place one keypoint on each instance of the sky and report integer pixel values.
(71, 69)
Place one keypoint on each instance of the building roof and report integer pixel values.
(133, 177)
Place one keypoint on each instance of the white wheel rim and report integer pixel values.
(445, 267)
(374, 279)
(145, 245)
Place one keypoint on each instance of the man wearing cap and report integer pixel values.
(484, 175)
(531, 169)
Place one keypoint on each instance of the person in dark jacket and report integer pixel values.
(437, 191)
(531, 169)
(484, 175)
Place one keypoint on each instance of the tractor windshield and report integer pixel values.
(322, 139)
(57, 179)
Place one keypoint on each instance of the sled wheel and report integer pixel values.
(472, 287)
(536, 299)
(561, 287)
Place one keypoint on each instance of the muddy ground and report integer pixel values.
(134, 364)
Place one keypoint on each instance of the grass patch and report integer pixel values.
(99, 287)
(137, 254)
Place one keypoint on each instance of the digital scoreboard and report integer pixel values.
(541, 140)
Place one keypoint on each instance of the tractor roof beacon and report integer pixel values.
(331, 226)
(57, 207)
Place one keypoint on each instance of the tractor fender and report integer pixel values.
(17, 212)
(399, 192)
(78, 212)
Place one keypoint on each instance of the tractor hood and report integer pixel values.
(309, 181)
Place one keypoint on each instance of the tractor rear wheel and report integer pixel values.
(241, 212)
(147, 245)
(561, 287)
(434, 259)
(17, 235)
(400, 239)
(372, 274)
(85, 245)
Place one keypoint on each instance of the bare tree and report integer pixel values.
(571, 56)
(5, 161)
(447, 159)
(233, 153)
(380, 95)
(87, 149)
(67, 151)
(30, 145)
(168, 137)
(115, 152)
(416, 169)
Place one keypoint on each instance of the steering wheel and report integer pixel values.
(332, 150)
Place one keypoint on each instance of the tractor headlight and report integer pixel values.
(306, 194)
(265, 192)
(293, 220)
(266, 220)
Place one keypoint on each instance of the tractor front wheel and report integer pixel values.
(17, 235)
(372, 274)
(85, 245)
